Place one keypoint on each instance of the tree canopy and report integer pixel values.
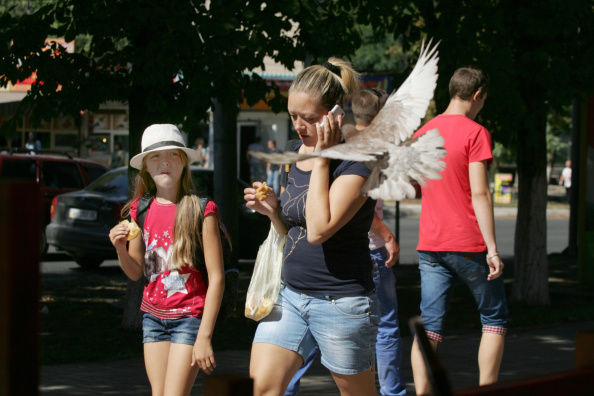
(172, 61)
(182, 54)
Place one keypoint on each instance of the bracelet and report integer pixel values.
(490, 257)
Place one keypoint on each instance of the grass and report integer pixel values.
(84, 314)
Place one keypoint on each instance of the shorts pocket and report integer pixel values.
(353, 307)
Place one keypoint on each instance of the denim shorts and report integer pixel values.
(345, 328)
(440, 271)
(178, 331)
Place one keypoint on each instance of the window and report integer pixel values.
(93, 171)
(115, 182)
(19, 169)
(61, 174)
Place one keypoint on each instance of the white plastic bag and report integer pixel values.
(265, 283)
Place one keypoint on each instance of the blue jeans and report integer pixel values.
(257, 170)
(389, 342)
(440, 271)
(273, 180)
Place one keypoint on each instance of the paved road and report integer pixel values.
(505, 225)
(505, 229)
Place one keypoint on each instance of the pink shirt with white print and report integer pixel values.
(169, 293)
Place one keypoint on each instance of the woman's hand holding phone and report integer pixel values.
(330, 134)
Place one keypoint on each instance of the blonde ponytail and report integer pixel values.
(329, 86)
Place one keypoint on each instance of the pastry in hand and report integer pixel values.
(263, 191)
(133, 228)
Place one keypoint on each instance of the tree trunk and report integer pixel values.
(225, 171)
(530, 250)
(140, 118)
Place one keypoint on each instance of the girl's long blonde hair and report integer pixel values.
(186, 231)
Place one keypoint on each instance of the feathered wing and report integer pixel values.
(288, 157)
(395, 123)
(418, 159)
(405, 108)
(385, 145)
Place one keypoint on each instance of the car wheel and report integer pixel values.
(43, 245)
(87, 262)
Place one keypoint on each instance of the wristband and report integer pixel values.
(490, 257)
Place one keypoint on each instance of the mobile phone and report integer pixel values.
(337, 111)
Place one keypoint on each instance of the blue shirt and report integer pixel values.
(339, 267)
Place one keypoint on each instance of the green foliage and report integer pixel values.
(532, 51)
(503, 154)
(558, 131)
(379, 54)
(20, 7)
(179, 61)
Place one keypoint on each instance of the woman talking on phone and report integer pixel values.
(327, 294)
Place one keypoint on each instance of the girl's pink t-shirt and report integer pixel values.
(169, 293)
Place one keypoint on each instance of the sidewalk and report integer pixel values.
(528, 352)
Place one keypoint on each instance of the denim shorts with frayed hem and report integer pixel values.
(177, 331)
(345, 328)
(440, 271)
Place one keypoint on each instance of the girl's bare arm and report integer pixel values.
(131, 259)
(203, 354)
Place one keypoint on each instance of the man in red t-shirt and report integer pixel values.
(457, 231)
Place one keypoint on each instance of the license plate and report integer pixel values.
(82, 214)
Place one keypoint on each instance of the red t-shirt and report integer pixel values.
(169, 294)
(448, 222)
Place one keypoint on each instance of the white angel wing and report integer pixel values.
(395, 123)
(405, 108)
(288, 157)
(417, 159)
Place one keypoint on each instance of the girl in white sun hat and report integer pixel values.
(180, 302)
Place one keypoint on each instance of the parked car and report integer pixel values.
(81, 220)
(54, 172)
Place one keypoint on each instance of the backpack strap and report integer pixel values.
(223, 231)
(143, 205)
(290, 146)
(203, 202)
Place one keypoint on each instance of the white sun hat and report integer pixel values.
(162, 137)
